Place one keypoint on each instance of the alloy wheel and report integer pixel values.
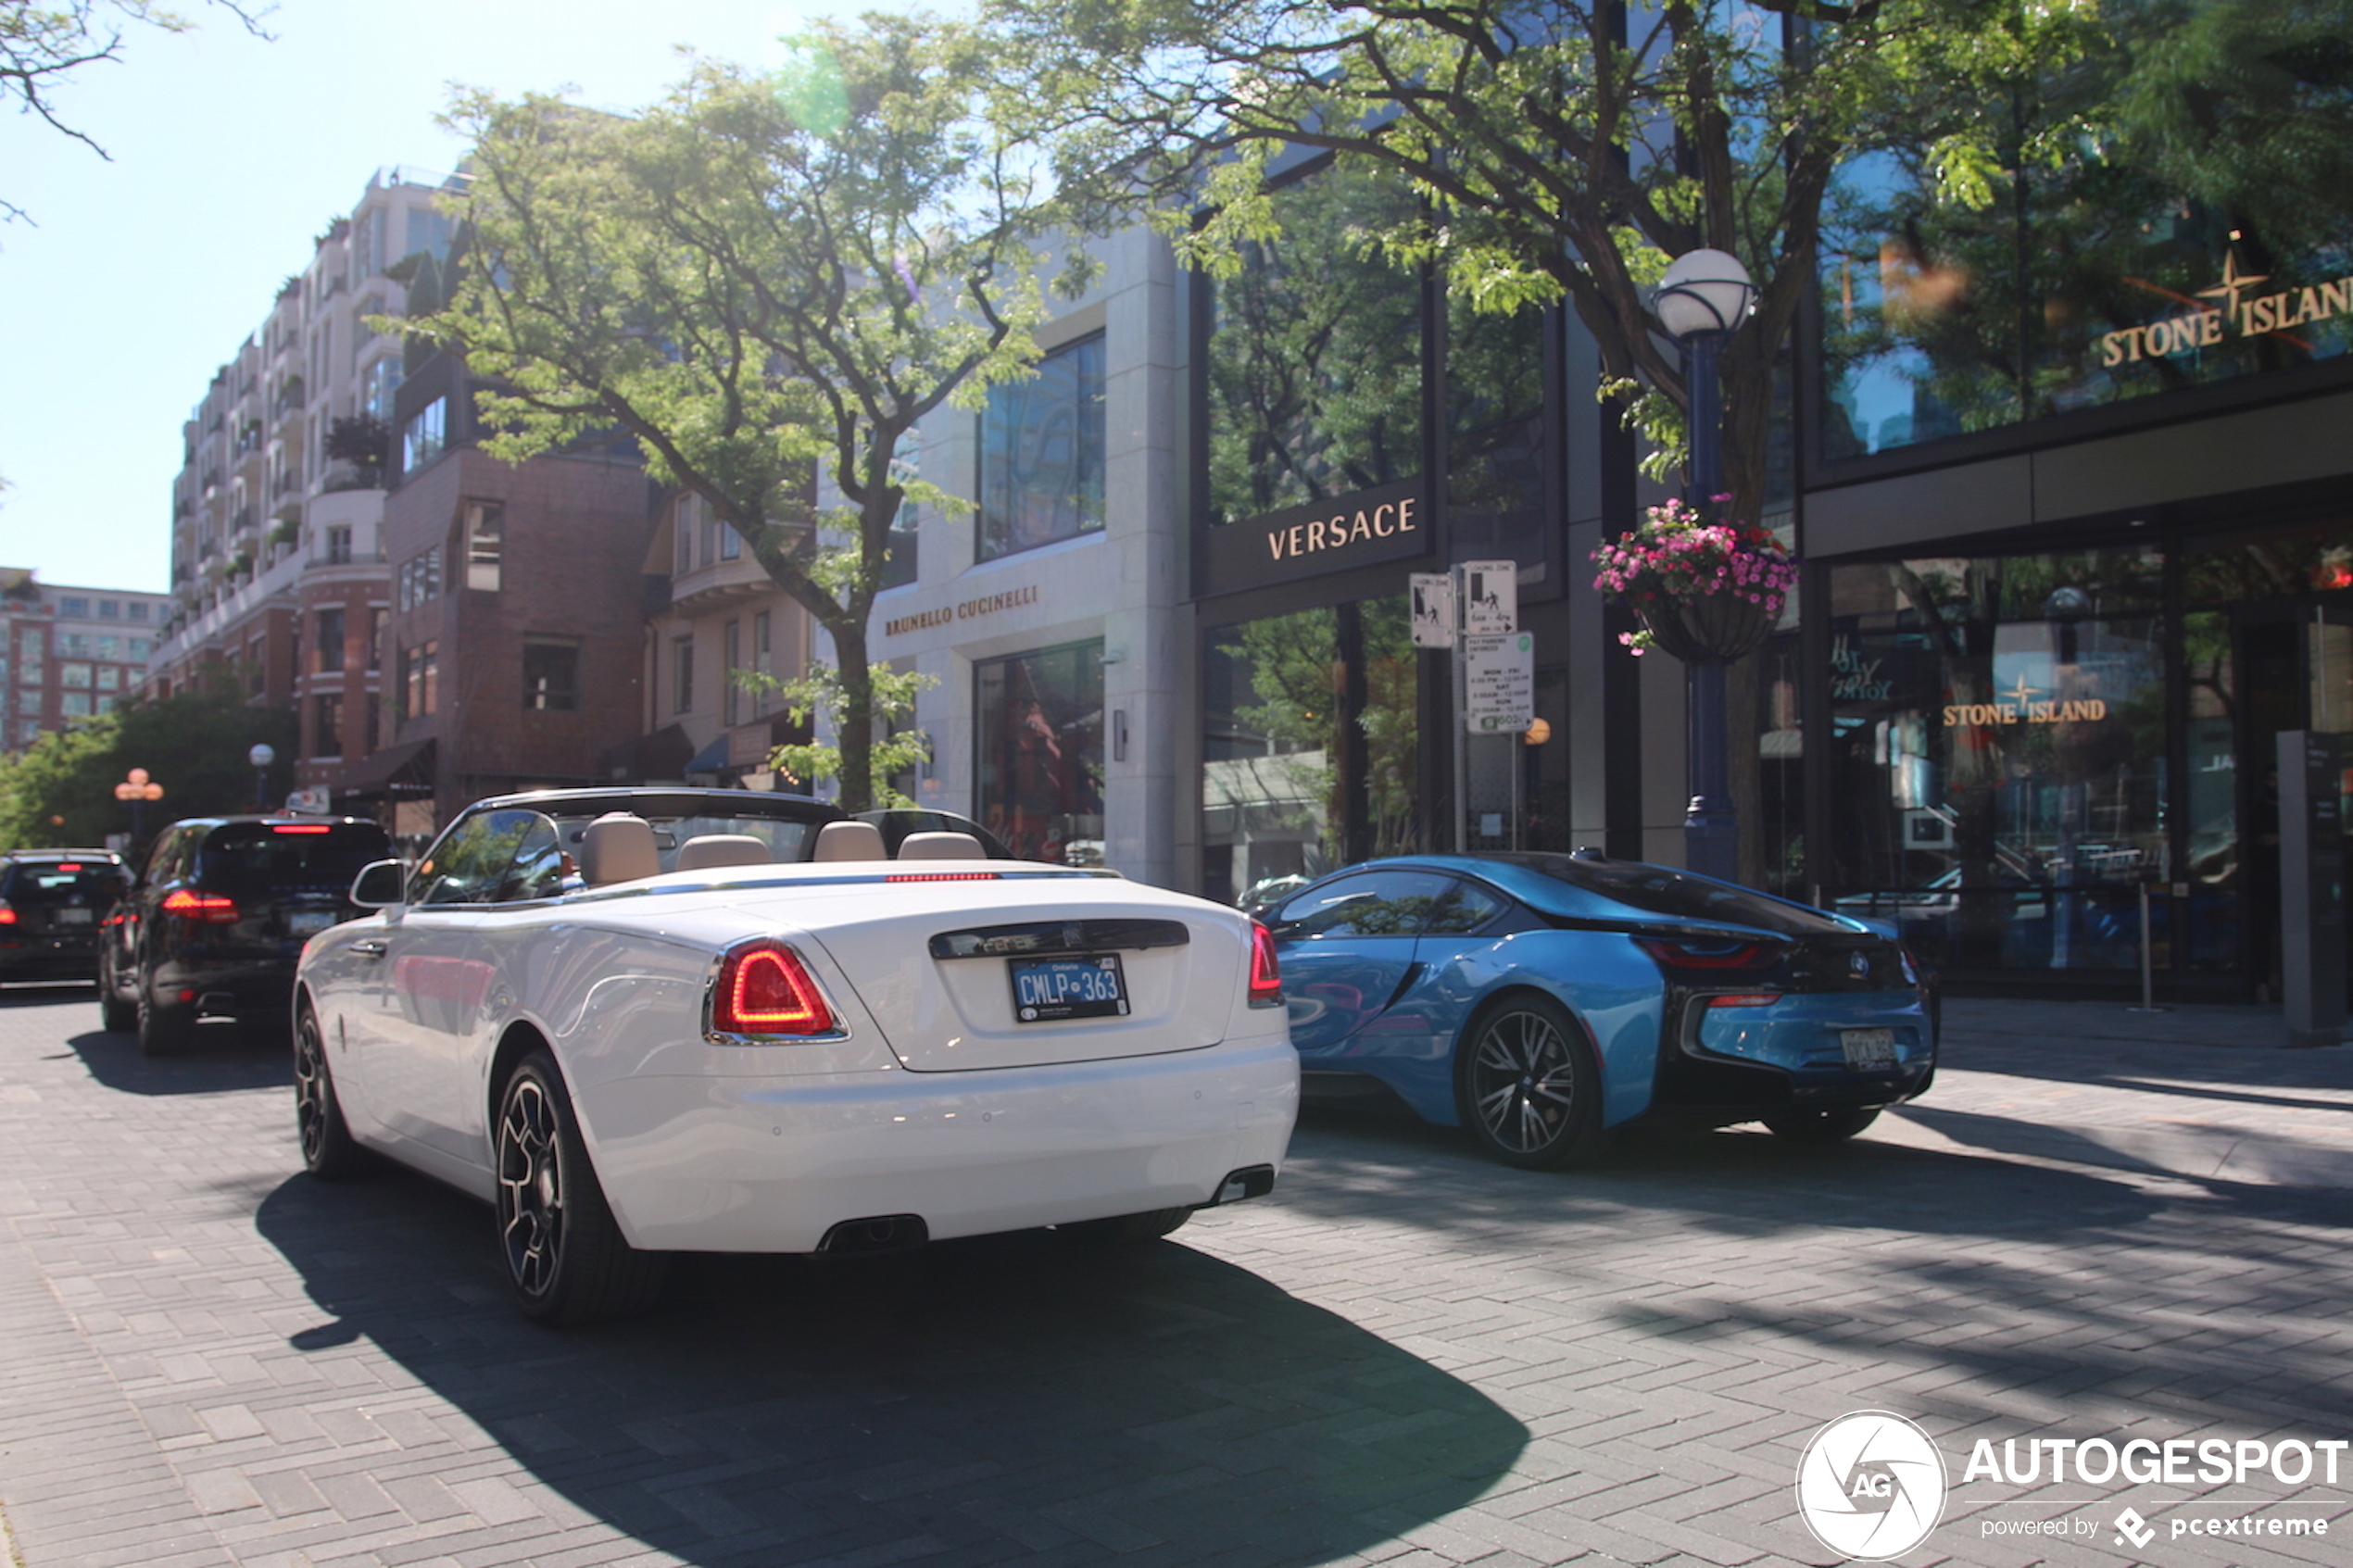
(531, 1208)
(1523, 1081)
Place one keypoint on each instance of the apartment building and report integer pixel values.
(278, 569)
(68, 653)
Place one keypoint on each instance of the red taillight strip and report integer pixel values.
(1266, 974)
(1746, 999)
(189, 904)
(300, 827)
(943, 876)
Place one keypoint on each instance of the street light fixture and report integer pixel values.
(1703, 297)
(138, 789)
(261, 756)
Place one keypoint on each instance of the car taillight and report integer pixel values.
(945, 877)
(188, 904)
(1266, 974)
(299, 827)
(8, 915)
(68, 866)
(764, 989)
(1746, 999)
(1707, 961)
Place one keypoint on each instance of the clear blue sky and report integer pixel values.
(230, 152)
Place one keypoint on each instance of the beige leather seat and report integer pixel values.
(618, 847)
(942, 846)
(707, 849)
(849, 840)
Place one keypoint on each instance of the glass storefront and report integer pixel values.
(1041, 742)
(1310, 747)
(2014, 758)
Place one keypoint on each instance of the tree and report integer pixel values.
(762, 278)
(60, 791)
(1557, 154)
(43, 44)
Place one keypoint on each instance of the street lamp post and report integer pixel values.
(261, 756)
(138, 789)
(1705, 295)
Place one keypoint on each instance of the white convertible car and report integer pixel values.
(644, 1021)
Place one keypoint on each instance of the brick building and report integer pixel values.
(68, 653)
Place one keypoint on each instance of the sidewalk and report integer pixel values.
(2234, 1105)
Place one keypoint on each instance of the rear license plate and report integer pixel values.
(74, 917)
(1869, 1047)
(309, 922)
(1049, 989)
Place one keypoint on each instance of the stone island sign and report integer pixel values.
(2242, 308)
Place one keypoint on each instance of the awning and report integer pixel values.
(712, 759)
(404, 771)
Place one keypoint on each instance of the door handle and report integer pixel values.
(367, 950)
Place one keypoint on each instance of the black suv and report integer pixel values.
(218, 917)
(52, 903)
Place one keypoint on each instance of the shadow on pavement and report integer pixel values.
(225, 1055)
(1008, 1396)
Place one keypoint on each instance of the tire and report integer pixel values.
(328, 1149)
(1820, 1126)
(565, 1256)
(116, 1015)
(163, 1031)
(1125, 1230)
(1527, 1085)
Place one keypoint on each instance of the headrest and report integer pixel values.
(849, 840)
(618, 847)
(708, 849)
(942, 846)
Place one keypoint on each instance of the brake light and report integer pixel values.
(299, 827)
(764, 989)
(1266, 974)
(188, 904)
(8, 915)
(1699, 960)
(68, 866)
(943, 876)
(1746, 999)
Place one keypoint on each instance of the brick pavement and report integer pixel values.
(1408, 1357)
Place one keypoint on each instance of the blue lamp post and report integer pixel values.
(1705, 295)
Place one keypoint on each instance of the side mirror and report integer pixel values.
(380, 885)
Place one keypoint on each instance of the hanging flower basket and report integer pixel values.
(1703, 590)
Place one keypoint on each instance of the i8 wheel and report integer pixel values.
(328, 1152)
(565, 1255)
(1820, 1126)
(1525, 1085)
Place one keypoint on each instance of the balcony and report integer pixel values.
(720, 584)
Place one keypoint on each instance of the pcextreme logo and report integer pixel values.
(1870, 1486)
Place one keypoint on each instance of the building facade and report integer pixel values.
(278, 571)
(68, 653)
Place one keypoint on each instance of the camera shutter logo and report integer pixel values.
(1870, 1486)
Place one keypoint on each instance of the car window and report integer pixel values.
(1467, 907)
(787, 840)
(1662, 891)
(1385, 903)
(32, 884)
(489, 857)
(255, 860)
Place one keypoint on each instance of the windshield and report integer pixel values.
(1671, 894)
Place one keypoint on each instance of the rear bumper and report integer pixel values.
(240, 987)
(771, 1164)
(1735, 1064)
(49, 958)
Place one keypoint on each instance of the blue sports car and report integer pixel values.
(1544, 1000)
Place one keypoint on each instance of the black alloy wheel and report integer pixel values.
(164, 1029)
(565, 1255)
(1527, 1086)
(117, 1014)
(328, 1149)
(1821, 1126)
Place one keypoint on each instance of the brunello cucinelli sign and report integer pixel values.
(1387, 524)
(2242, 307)
(947, 615)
